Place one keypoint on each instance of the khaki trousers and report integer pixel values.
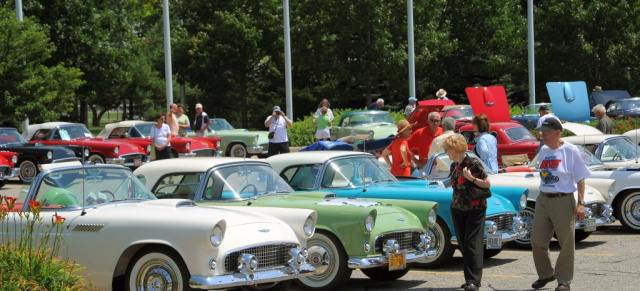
(554, 214)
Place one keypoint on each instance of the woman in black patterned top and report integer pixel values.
(467, 215)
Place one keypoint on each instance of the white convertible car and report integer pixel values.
(120, 232)
(597, 193)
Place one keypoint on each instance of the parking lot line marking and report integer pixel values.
(462, 274)
(577, 253)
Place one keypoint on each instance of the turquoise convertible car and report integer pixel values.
(354, 174)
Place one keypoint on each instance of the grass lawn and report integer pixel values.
(109, 117)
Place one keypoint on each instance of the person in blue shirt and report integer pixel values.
(486, 144)
(376, 105)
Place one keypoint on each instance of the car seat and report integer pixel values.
(59, 196)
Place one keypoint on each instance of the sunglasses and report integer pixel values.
(434, 120)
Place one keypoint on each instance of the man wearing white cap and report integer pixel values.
(411, 107)
(277, 123)
(202, 121)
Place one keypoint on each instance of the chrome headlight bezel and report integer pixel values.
(309, 227)
(116, 150)
(611, 189)
(490, 226)
(217, 236)
(49, 155)
(14, 159)
(523, 201)
(86, 152)
(218, 144)
(432, 217)
(149, 148)
(188, 145)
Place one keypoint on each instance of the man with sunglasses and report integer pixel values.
(422, 138)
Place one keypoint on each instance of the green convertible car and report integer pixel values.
(237, 142)
(381, 237)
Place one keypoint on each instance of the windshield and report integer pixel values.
(244, 181)
(459, 113)
(625, 105)
(11, 137)
(365, 119)
(441, 167)
(518, 133)
(355, 172)
(534, 109)
(619, 149)
(218, 124)
(71, 132)
(69, 188)
(144, 130)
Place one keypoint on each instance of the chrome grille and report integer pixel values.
(204, 152)
(503, 221)
(131, 158)
(268, 256)
(407, 240)
(596, 208)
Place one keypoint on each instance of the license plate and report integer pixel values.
(137, 162)
(494, 241)
(589, 224)
(397, 262)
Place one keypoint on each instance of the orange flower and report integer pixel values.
(11, 201)
(57, 219)
(35, 206)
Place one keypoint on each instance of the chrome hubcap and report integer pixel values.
(320, 258)
(632, 209)
(156, 275)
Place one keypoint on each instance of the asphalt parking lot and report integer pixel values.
(607, 260)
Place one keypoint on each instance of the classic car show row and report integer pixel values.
(316, 218)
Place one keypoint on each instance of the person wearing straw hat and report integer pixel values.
(399, 151)
(411, 107)
(442, 95)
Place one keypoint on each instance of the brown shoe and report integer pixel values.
(563, 287)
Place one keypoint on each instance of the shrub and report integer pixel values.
(31, 262)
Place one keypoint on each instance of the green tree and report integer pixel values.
(31, 86)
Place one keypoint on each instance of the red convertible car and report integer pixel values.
(136, 131)
(512, 137)
(100, 151)
(8, 162)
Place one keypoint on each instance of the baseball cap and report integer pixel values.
(543, 107)
(551, 123)
(413, 99)
(276, 108)
(198, 105)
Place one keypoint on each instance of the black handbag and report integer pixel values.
(271, 134)
(476, 192)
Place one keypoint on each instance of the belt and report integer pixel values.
(554, 194)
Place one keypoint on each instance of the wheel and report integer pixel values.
(581, 235)
(527, 218)
(173, 154)
(2, 183)
(157, 268)
(329, 258)
(28, 171)
(628, 211)
(441, 241)
(383, 273)
(279, 286)
(95, 159)
(238, 150)
(492, 252)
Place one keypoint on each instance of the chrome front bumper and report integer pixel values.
(600, 221)
(383, 260)
(256, 150)
(10, 173)
(258, 277)
(206, 152)
(516, 231)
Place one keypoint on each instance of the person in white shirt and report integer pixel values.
(448, 125)
(277, 123)
(161, 138)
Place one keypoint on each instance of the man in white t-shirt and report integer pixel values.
(277, 123)
(562, 172)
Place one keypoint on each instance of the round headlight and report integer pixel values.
(432, 217)
(611, 189)
(256, 138)
(188, 146)
(116, 150)
(218, 144)
(86, 152)
(309, 226)
(491, 226)
(523, 201)
(49, 155)
(369, 223)
(217, 236)
(149, 148)
(14, 159)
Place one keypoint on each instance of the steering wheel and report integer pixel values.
(616, 157)
(255, 189)
(113, 196)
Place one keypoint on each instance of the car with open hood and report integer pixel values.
(138, 132)
(373, 123)
(597, 194)
(530, 115)
(360, 175)
(100, 151)
(31, 156)
(128, 240)
(381, 237)
(236, 142)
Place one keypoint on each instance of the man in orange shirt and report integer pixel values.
(423, 137)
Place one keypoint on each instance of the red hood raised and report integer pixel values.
(423, 108)
(491, 101)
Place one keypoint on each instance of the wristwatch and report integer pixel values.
(581, 202)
